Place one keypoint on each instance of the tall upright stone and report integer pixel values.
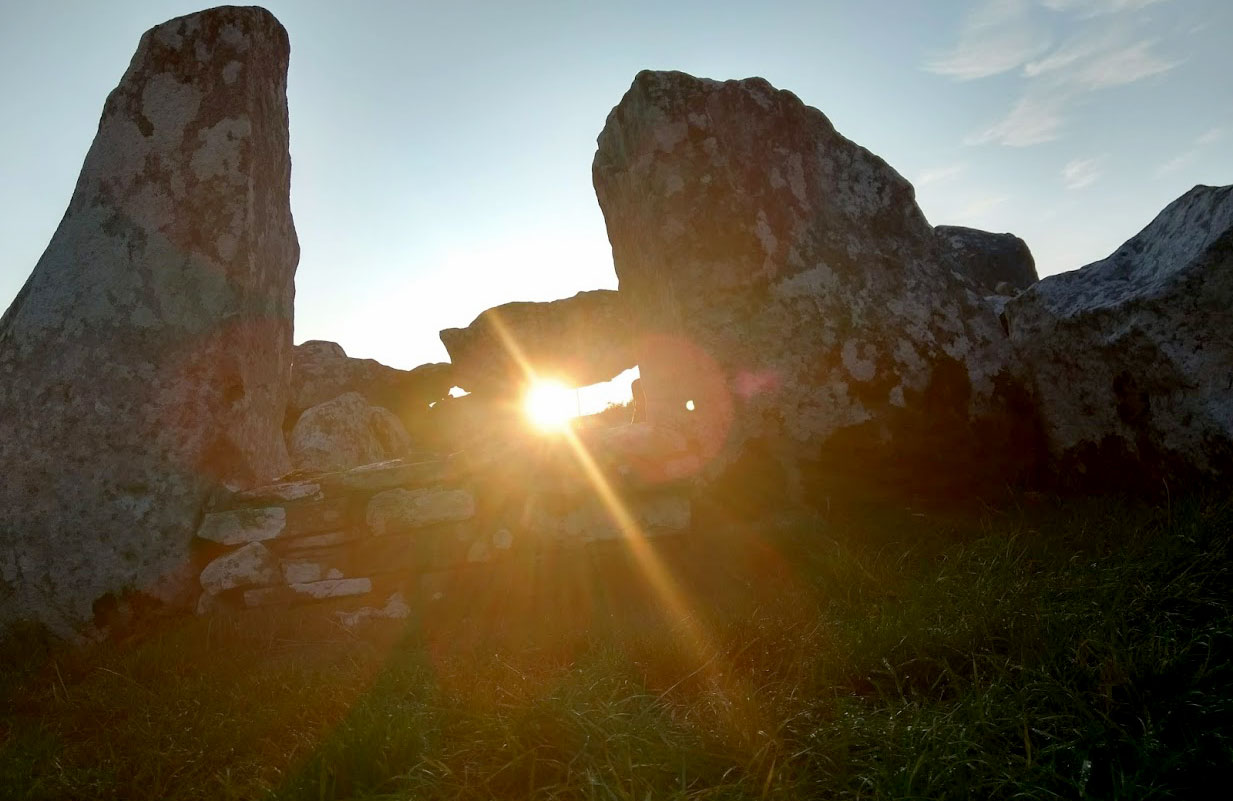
(792, 297)
(144, 363)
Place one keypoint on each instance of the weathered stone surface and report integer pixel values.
(239, 526)
(346, 432)
(986, 258)
(322, 370)
(578, 341)
(145, 360)
(250, 566)
(790, 290)
(308, 591)
(1132, 356)
(261, 524)
(399, 509)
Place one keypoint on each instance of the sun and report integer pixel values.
(550, 405)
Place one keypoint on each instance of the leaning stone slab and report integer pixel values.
(144, 363)
(250, 566)
(399, 509)
(578, 341)
(395, 473)
(274, 493)
(308, 591)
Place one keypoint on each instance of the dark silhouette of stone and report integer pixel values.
(144, 363)
(988, 259)
(578, 341)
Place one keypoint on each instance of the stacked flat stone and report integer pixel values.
(367, 532)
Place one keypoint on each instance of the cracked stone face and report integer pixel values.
(144, 363)
(790, 288)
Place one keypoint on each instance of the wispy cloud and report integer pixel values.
(1082, 173)
(940, 175)
(1005, 35)
(1192, 154)
(1096, 8)
(1033, 121)
(996, 37)
(1123, 66)
(1210, 137)
(977, 209)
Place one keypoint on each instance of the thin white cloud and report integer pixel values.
(1082, 173)
(1210, 137)
(1096, 8)
(940, 175)
(997, 36)
(1176, 163)
(977, 209)
(1188, 157)
(1123, 66)
(1033, 121)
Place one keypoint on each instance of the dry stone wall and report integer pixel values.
(368, 533)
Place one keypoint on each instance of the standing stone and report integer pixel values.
(1132, 356)
(791, 292)
(144, 363)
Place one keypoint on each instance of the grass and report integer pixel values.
(1076, 650)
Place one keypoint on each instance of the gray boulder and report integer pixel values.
(790, 294)
(990, 260)
(322, 370)
(346, 432)
(1132, 356)
(578, 341)
(144, 363)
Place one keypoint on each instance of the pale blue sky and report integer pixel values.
(442, 151)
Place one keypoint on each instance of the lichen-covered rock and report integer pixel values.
(788, 290)
(578, 341)
(250, 566)
(321, 371)
(346, 432)
(990, 260)
(400, 509)
(145, 361)
(1132, 356)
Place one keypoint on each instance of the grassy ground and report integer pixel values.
(1082, 650)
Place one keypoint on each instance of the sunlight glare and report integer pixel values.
(550, 405)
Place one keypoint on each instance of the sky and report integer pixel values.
(442, 151)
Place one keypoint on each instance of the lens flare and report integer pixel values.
(550, 405)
